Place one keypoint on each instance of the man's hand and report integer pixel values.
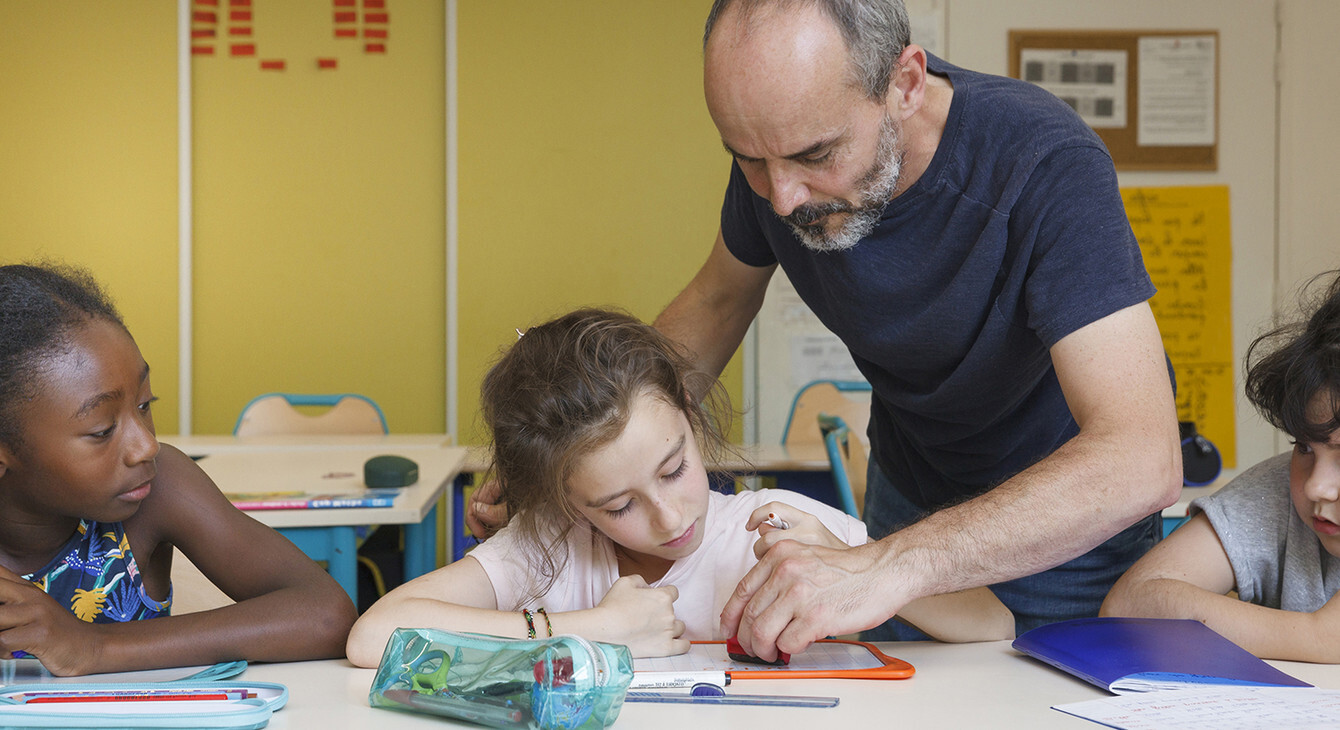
(800, 593)
(484, 514)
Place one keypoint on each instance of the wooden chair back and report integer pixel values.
(277, 413)
(846, 399)
(191, 590)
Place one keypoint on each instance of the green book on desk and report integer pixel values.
(383, 497)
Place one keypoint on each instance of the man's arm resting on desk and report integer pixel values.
(1124, 464)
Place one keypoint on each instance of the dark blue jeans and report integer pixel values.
(1071, 590)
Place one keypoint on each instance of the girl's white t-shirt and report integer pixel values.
(706, 579)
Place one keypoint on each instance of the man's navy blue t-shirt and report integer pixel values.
(1014, 237)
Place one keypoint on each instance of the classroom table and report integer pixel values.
(306, 464)
(956, 686)
(801, 468)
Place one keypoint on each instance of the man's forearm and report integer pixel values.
(710, 336)
(1062, 507)
(711, 315)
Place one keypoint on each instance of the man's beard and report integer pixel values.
(874, 190)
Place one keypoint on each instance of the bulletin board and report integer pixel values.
(1184, 238)
(1151, 95)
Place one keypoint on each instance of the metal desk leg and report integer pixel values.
(459, 540)
(421, 546)
(336, 545)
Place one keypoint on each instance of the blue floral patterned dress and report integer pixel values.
(96, 577)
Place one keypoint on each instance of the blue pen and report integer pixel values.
(710, 694)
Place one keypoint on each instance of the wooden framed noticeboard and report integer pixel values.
(1151, 95)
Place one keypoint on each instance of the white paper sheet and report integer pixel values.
(1237, 708)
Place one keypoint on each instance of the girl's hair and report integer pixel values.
(1292, 366)
(40, 306)
(566, 388)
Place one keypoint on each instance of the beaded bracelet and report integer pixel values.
(548, 627)
(530, 623)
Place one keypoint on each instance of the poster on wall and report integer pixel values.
(1092, 82)
(1151, 95)
(1183, 234)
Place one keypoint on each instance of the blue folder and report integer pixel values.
(1145, 654)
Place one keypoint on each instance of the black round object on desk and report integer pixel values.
(390, 471)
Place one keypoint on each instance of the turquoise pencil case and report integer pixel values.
(132, 705)
(561, 683)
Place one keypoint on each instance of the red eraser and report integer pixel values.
(737, 652)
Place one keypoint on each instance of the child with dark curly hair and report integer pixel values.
(1272, 535)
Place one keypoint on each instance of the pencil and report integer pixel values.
(143, 697)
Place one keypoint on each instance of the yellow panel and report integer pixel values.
(88, 125)
(590, 172)
(320, 215)
(1184, 238)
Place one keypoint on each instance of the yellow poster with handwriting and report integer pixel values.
(1184, 237)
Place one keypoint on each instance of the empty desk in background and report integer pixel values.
(307, 464)
(800, 467)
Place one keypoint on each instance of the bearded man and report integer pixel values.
(963, 234)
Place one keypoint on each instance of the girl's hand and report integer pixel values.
(642, 617)
(33, 622)
(803, 527)
(485, 513)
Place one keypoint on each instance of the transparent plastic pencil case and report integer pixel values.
(560, 683)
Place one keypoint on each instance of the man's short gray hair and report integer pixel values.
(875, 31)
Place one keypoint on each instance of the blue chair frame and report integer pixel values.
(836, 442)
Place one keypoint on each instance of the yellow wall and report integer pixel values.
(590, 172)
(88, 129)
(319, 217)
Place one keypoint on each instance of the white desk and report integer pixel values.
(956, 686)
(306, 463)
